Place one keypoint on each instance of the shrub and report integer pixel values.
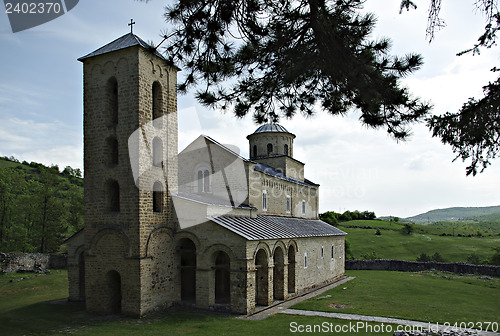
(473, 259)
(437, 257)
(423, 257)
(378, 233)
(495, 260)
(369, 256)
(407, 229)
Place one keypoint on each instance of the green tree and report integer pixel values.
(423, 257)
(330, 217)
(473, 259)
(278, 58)
(437, 257)
(495, 259)
(407, 228)
(47, 229)
(474, 131)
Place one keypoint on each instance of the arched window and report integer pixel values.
(157, 104)
(254, 150)
(285, 149)
(111, 151)
(291, 269)
(157, 152)
(203, 180)
(264, 200)
(269, 148)
(112, 101)
(187, 252)
(113, 196)
(222, 278)
(157, 197)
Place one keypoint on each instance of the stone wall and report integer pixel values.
(415, 266)
(30, 262)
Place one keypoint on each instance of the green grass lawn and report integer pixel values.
(37, 306)
(396, 245)
(427, 296)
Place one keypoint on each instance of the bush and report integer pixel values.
(369, 256)
(473, 259)
(437, 257)
(407, 229)
(423, 257)
(495, 260)
(378, 233)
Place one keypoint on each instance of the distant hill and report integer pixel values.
(492, 213)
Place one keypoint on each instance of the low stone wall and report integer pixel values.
(415, 266)
(31, 262)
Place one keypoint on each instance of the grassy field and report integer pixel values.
(393, 244)
(37, 306)
(427, 296)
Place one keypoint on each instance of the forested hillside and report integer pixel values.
(39, 206)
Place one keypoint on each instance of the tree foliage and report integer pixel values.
(407, 229)
(474, 131)
(333, 217)
(278, 58)
(39, 207)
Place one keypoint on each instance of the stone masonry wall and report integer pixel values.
(415, 266)
(30, 262)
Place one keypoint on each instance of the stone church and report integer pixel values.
(205, 227)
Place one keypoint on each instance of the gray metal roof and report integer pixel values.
(126, 41)
(276, 173)
(224, 147)
(271, 127)
(276, 227)
(210, 199)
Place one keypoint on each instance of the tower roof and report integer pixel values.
(126, 41)
(271, 127)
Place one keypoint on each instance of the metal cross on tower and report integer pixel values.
(131, 24)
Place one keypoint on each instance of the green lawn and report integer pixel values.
(427, 296)
(37, 306)
(396, 245)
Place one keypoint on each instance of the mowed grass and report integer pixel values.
(38, 306)
(426, 296)
(393, 244)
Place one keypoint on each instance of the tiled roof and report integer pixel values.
(275, 227)
(126, 41)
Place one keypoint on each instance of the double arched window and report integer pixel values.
(203, 180)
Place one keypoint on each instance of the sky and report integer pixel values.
(41, 107)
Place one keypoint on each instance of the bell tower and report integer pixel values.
(130, 165)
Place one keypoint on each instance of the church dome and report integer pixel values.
(276, 128)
